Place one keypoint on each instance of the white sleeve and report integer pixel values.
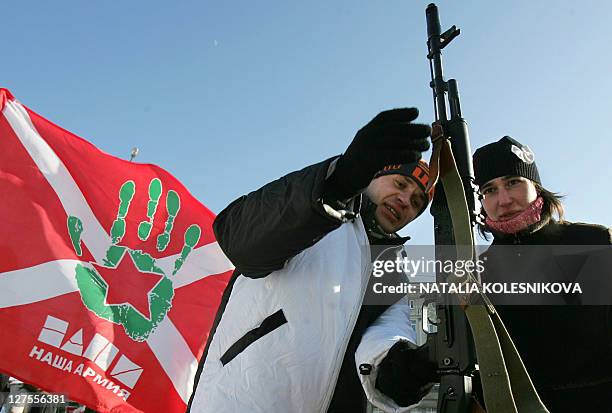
(391, 326)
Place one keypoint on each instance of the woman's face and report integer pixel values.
(506, 197)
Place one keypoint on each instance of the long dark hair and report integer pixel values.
(552, 207)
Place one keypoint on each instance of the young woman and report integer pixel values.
(565, 343)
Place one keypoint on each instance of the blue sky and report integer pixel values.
(230, 95)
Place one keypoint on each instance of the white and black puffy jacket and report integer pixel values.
(291, 328)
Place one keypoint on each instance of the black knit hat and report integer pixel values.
(506, 157)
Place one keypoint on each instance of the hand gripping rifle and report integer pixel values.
(465, 332)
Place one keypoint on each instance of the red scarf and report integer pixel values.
(529, 216)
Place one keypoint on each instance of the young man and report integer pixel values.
(291, 335)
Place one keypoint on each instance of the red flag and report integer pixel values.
(110, 275)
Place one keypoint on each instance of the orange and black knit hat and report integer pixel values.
(417, 171)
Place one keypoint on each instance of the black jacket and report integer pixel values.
(567, 348)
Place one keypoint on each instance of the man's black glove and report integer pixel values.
(406, 375)
(388, 139)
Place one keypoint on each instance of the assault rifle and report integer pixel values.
(452, 345)
(465, 330)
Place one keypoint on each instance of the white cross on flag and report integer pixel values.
(110, 275)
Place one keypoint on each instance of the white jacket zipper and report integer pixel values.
(365, 277)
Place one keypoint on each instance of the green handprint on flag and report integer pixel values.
(128, 288)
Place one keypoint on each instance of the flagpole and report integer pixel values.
(133, 153)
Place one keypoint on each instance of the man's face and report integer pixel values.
(506, 197)
(398, 200)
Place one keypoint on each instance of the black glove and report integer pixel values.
(406, 375)
(388, 139)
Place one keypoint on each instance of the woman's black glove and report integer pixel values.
(388, 139)
(406, 374)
